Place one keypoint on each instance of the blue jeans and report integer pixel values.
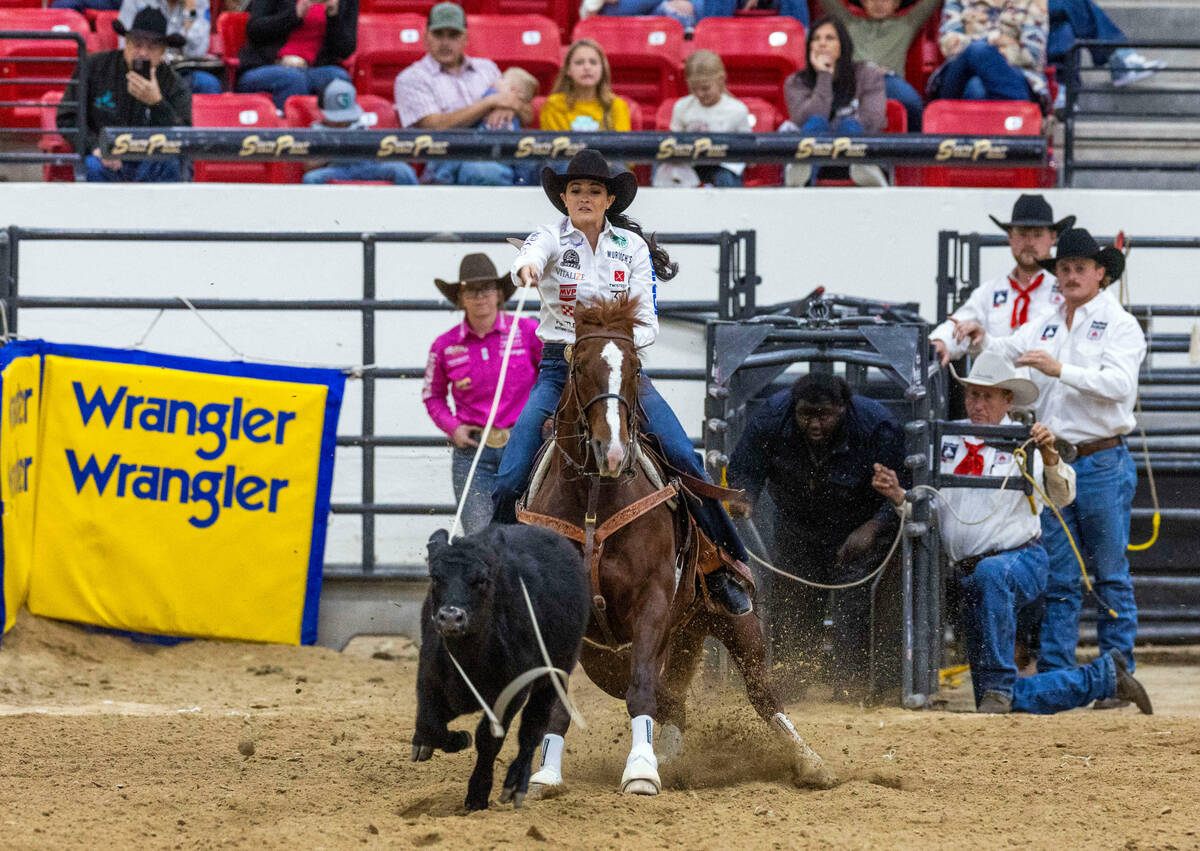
(898, 88)
(631, 8)
(80, 5)
(1099, 521)
(1078, 19)
(481, 173)
(992, 595)
(283, 81)
(980, 72)
(720, 177)
(846, 126)
(477, 512)
(400, 174)
(661, 422)
(146, 171)
(725, 8)
(201, 82)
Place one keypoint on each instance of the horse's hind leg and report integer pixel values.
(743, 637)
(534, 718)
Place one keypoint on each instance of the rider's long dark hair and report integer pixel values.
(844, 83)
(664, 268)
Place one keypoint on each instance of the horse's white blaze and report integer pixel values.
(612, 407)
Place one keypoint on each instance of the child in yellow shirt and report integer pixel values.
(583, 99)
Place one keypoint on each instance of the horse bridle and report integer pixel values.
(584, 406)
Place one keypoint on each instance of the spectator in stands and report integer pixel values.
(993, 541)
(190, 19)
(1079, 19)
(514, 82)
(883, 37)
(582, 98)
(708, 109)
(812, 447)
(295, 47)
(130, 87)
(465, 362)
(340, 111)
(447, 89)
(835, 94)
(994, 51)
(80, 5)
(797, 9)
(683, 11)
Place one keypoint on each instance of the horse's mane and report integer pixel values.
(618, 314)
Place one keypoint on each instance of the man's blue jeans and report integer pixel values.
(201, 82)
(992, 595)
(80, 5)
(632, 8)
(283, 81)
(980, 72)
(400, 174)
(477, 512)
(146, 171)
(661, 422)
(1079, 19)
(725, 9)
(482, 173)
(1099, 521)
(897, 88)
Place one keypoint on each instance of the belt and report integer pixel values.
(497, 437)
(554, 350)
(968, 564)
(1093, 446)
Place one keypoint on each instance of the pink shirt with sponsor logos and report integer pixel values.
(469, 367)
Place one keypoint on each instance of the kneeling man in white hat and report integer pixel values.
(993, 540)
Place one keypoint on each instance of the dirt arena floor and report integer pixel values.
(109, 744)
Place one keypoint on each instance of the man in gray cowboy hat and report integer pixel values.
(1005, 303)
(993, 541)
(464, 363)
(130, 87)
(1085, 353)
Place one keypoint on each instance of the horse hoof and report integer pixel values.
(545, 777)
(518, 799)
(506, 795)
(640, 787)
(668, 743)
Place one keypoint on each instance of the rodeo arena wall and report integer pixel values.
(879, 244)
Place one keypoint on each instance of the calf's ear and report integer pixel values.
(438, 541)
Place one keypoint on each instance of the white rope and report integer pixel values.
(215, 332)
(560, 687)
(513, 329)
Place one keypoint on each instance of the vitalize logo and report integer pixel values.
(216, 423)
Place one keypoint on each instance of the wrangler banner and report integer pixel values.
(168, 495)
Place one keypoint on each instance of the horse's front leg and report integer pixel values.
(641, 699)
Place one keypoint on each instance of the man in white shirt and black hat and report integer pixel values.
(993, 540)
(1085, 353)
(1006, 302)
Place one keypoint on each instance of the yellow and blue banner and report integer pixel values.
(171, 496)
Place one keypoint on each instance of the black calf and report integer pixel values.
(475, 608)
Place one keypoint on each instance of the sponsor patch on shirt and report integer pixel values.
(617, 255)
(618, 239)
(570, 259)
(451, 351)
(999, 297)
(1049, 331)
(949, 450)
(1096, 331)
(619, 276)
(529, 241)
(1002, 460)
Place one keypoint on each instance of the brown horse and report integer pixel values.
(650, 616)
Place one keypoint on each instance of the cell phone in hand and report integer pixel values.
(142, 66)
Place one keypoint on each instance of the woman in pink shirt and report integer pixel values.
(465, 362)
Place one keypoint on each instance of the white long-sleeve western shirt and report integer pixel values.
(571, 273)
(994, 304)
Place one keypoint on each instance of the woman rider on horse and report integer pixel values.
(595, 252)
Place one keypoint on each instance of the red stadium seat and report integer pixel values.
(52, 74)
(988, 118)
(106, 37)
(412, 7)
(897, 118)
(764, 118)
(387, 44)
(243, 111)
(53, 143)
(924, 55)
(759, 53)
(530, 41)
(564, 13)
(645, 54)
(231, 31)
(20, 4)
(302, 110)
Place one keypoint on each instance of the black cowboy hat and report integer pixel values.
(477, 270)
(150, 24)
(1077, 242)
(1034, 211)
(589, 164)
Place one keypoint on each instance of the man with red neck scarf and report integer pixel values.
(1005, 303)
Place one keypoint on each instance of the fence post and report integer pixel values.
(368, 404)
(9, 239)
